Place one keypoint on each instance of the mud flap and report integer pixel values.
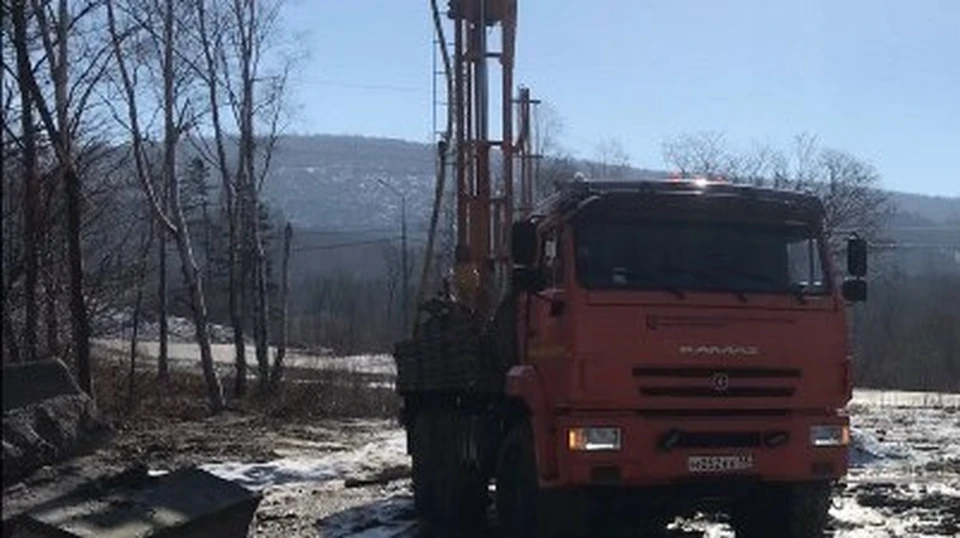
(189, 503)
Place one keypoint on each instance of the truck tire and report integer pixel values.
(523, 509)
(457, 494)
(422, 473)
(788, 511)
(517, 488)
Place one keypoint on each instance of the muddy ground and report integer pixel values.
(335, 477)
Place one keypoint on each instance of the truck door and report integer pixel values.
(548, 309)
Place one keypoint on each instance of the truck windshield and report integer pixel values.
(700, 256)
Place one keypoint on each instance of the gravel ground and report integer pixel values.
(349, 478)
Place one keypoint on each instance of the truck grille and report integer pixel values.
(709, 392)
(707, 373)
(707, 382)
(677, 439)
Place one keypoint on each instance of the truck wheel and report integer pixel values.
(517, 488)
(459, 494)
(789, 511)
(423, 486)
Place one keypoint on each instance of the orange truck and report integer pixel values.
(662, 347)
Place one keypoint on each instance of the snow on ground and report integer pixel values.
(904, 478)
(387, 454)
(903, 398)
(188, 355)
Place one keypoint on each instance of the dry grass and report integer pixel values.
(304, 394)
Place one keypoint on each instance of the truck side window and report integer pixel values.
(558, 265)
(553, 259)
(804, 265)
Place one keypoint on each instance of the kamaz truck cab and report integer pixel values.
(683, 343)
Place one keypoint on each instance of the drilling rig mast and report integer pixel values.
(485, 199)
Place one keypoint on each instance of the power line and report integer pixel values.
(359, 243)
(335, 231)
(362, 86)
(345, 245)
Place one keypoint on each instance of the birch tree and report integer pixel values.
(177, 119)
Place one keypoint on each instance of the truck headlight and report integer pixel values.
(592, 439)
(829, 435)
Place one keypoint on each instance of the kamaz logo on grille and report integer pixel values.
(719, 350)
(721, 382)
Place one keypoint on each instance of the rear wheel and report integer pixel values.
(421, 456)
(449, 494)
(788, 511)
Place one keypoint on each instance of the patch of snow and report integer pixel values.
(902, 398)
(866, 450)
(388, 451)
(224, 354)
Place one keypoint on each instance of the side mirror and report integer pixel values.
(528, 279)
(523, 243)
(857, 257)
(855, 291)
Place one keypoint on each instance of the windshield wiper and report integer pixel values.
(675, 291)
(795, 289)
(672, 289)
(712, 279)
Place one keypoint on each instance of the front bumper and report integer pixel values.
(657, 451)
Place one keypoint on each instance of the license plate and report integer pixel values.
(719, 464)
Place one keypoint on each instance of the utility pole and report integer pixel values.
(406, 265)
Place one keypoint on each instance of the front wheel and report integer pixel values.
(524, 510)
(788, 511)
(517, 488)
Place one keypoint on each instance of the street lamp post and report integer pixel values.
(405, 266)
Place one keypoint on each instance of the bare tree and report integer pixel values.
(554, 165)
(25, 74)
(176, 120)
(611, 160)
(255, 99)
(703, 153)
(211, 35)
(848, 186)
(236, 37)
(53, 28)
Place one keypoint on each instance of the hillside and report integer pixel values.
(330, 188)
(332, 182)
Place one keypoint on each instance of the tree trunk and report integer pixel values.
(191, 275)
(235, 278)
(66, 153)
(131, 375)
(261, 323)
(247, 28)
(188, 264)
(50, 294)
(277, 374)
(79, 320)
(31, 198)
(163, 363)
(10, 336)
(261, 327)
(236, 320)
(137, 307)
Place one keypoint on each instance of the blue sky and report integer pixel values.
(877, 78)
